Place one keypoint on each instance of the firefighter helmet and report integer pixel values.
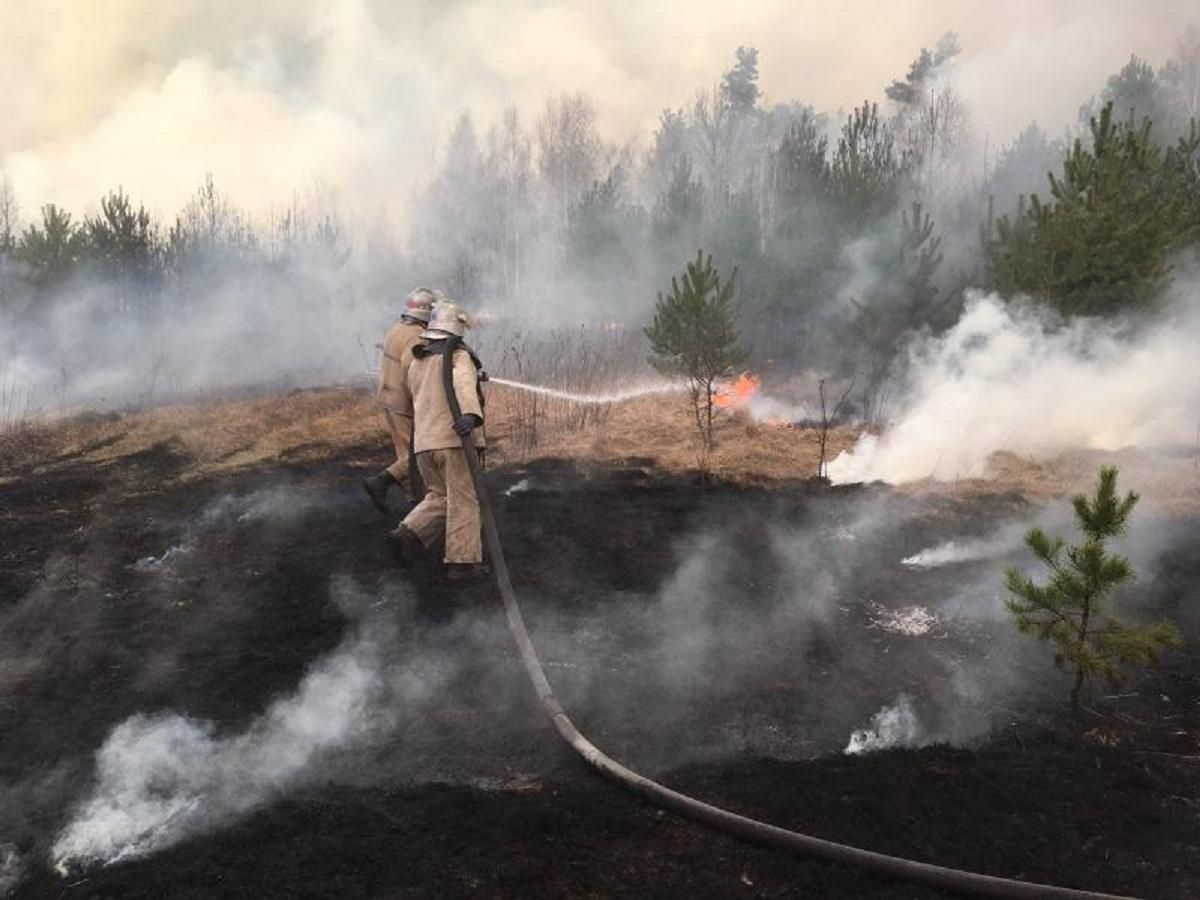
(448, 319)
(419, 304)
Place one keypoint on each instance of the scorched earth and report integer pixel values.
(215, 682)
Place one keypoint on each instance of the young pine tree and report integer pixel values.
(693, 336)
(1070, 609)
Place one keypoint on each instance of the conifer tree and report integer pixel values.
(1070, 609)
(693, 336)
(52, 251)
(1103, 243)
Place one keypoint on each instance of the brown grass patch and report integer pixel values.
(217, 433)
(224, 434)
(1168, 482)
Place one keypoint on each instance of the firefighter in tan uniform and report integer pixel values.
(450, 505)
(392, 395)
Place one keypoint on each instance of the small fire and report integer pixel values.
(736, 394)
(744, 393)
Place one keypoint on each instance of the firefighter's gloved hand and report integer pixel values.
(466, 423)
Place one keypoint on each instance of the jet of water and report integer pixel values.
(632, 393)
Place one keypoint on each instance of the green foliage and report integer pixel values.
(1069, 609)
(1134, 92)
(52, 251)
(671, 141)
(693, 335)
(1119, 210)
(866, 169)
(909, 91)
(123, 245)
(679, 211)
(603, 230)
(803, 179)
(739, 86)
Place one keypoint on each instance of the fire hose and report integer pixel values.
(971, 884)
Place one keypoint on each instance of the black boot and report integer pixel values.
(405, 544)
(377, 488)
(467, 571)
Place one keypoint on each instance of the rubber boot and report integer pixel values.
(377, 489)
(405, 544)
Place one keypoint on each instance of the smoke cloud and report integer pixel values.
(1006, 378)
(358, 94)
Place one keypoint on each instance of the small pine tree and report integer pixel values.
(1070, 609)
(693, 336)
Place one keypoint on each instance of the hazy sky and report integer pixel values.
(360, 94)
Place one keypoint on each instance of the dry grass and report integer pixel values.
(218, 434)
(662, 428)
(224, 434)
(1170, 483)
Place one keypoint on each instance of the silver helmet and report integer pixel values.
(419, 304)
(448, 319)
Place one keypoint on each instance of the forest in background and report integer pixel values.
(851, 231)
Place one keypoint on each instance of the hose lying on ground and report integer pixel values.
(970, 884)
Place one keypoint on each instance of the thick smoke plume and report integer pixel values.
(357, 94)
(1005, 378)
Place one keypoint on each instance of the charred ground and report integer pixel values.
(677, 626)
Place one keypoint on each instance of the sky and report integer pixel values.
(358, 96)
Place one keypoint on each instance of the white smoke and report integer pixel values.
(1004, 378)
(161, 778)
(960, 550)
(11, 869)
(765, 408)
(232, 335)
(275, 504)
(519, 488)
(892, 726)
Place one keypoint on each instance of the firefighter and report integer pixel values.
(450, 507)
(392, 395)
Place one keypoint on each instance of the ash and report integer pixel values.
(911, 621)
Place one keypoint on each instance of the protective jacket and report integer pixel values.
(392, 393)
(433, 427)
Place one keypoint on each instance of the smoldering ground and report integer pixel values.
(162, 702)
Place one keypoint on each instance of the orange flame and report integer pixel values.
(736, 394)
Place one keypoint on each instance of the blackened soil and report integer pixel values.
(725, 639)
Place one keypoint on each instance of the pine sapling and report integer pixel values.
(1070, 609)
(694, 336)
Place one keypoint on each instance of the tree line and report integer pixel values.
(849, 231)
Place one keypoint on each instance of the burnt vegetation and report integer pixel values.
(215, 681)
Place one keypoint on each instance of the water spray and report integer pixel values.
(633, 393)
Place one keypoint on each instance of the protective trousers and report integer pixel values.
(449, 502)
(404, 469)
